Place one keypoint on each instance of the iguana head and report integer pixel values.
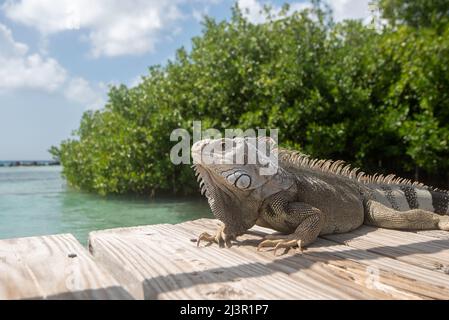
(230, 173)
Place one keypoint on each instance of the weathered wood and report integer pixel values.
(439, 234)
(413, 248)
(53, 267)
(369, 271)
(300, 267)
(160, 262)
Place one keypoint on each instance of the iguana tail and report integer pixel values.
(403, 197)
(405, 206)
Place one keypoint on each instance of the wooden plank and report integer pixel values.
(387, 274)
(153, 264)
(371, 271)
(321, 276)
(439, 234)
(53, 267)
(160, 262)
(413, 248)
(317, 278)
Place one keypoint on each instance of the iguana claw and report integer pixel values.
(220, 238)
(279, 243)
(205, 236)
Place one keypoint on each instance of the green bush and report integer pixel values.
(378, 98)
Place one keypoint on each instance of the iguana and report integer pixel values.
(306, 197)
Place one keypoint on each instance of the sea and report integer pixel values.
(36, 200)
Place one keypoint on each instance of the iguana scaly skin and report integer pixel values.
(306, 197)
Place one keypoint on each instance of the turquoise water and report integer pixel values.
(36, 201)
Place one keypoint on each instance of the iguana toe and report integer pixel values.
(287, 244)
(206, 237)
(220, 238)
(267, 243)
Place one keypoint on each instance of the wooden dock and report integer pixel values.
(163, 262)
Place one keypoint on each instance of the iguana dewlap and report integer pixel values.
(306, 197)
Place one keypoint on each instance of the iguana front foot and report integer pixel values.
(279, 242)
(220, 238)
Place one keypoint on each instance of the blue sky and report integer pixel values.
(57, 57)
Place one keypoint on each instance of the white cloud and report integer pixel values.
(22, 70)
(342, 9)
(117, 27)
(253, 10)
(112, 27)
(79, 90)
(350, 9)
(9, 47)
(298, 6)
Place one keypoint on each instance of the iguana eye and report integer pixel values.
(243, 182)
(232, 177)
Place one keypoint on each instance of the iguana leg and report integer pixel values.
(220, 237)
(416, 219)
(310, 222)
